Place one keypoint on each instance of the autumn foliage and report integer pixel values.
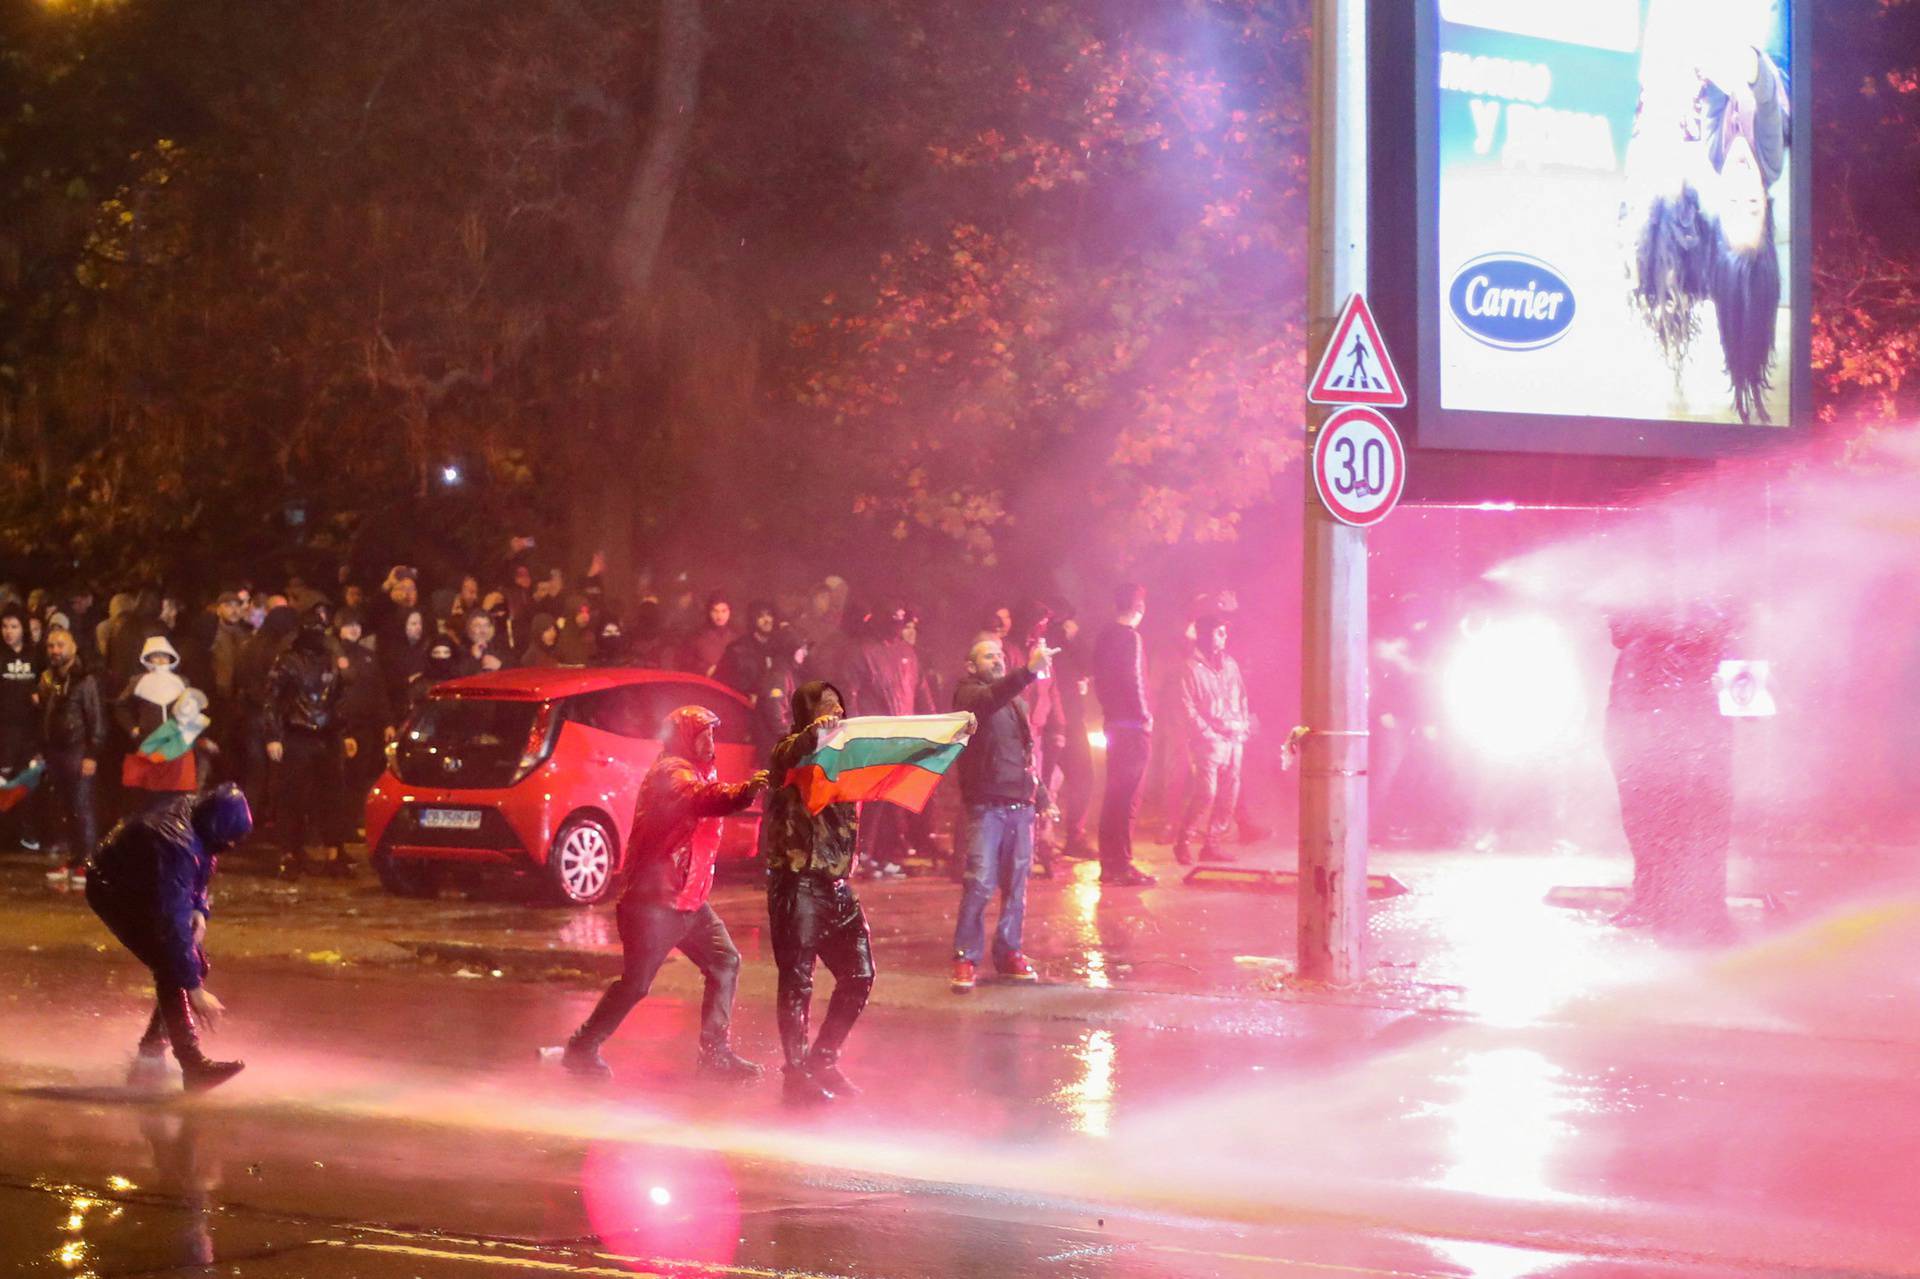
(966, 281)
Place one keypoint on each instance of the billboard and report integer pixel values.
(1609, 206)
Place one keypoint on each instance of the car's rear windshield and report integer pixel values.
(464, 742)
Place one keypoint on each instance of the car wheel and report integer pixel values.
(407, 878)
(581, 863)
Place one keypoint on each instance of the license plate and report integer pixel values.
(450, 818)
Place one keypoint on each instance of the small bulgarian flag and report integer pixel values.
(171, 740)
(20, 785)
(896, 758)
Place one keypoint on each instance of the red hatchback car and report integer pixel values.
(537, 771)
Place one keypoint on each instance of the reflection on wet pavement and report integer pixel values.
(1504, 1124)
(1090, 1097)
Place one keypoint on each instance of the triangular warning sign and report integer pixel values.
(1356, 368)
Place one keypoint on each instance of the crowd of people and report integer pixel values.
(291, 689)
(184, 722)
(150, 880)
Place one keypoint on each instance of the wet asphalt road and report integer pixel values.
(392, 1124)
(1519, 1089)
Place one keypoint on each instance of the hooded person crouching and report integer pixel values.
(148, 882)
(812, 911)
(669, 865)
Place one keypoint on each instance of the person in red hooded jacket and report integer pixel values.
(664, 908)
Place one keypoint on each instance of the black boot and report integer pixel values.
(824, 1066)
(720, 1062)
(198, 1071)
(582, 1059)
(800, 1088)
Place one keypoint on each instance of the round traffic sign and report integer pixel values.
(1359, 466)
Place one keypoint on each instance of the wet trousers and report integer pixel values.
(811, 917)
(1128, 750)
(999, 855)
(649, 932)
(1213, 789)
(172, 1019)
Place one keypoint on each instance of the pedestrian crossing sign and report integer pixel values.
(1355, 368)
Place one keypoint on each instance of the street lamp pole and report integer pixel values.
(1333, 650)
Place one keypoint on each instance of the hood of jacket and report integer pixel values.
(684, 729)
(157, 645)
(807, 699)
(221, 817)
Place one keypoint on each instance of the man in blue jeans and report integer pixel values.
(998, 783)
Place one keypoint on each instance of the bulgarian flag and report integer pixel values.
(20, 785)
(897, 758)
(171, 740)
(165, 760)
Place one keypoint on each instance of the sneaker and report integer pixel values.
(57, 878)
(30, 845)
(1016, 968)
(1131, 877)
(727, 1066)
(962, 976)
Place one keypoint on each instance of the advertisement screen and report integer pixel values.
(1612, 218)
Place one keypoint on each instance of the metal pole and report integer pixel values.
(1333, 650)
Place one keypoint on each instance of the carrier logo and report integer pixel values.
(1513, 302)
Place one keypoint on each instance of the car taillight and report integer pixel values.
(540, 739)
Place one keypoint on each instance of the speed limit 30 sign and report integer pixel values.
(1359, 466)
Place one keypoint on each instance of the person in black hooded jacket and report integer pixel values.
(811, 907)
(252, 667)
(148, 883)
(303, 732)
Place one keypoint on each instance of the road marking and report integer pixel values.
(1294, 1262)
(677, 1268)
